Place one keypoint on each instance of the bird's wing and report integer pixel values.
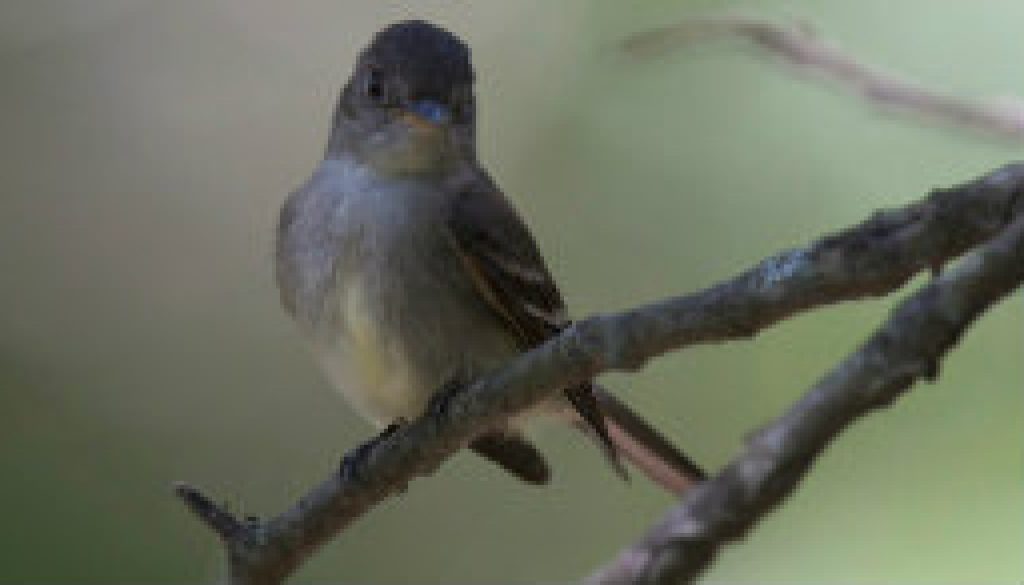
(501, 257)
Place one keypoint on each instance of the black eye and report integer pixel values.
(375, 87)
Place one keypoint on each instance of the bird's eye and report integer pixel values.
(375, 87)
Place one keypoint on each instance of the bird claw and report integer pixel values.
(353, 463)
(442, 399)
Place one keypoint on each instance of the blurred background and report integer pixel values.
(148, 145)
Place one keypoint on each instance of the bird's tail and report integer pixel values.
(645, 448)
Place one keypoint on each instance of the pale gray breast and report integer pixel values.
(366, 267)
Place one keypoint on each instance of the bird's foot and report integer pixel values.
(442, 399)
(353, 464)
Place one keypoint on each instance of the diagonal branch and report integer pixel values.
(905, 349)
(800, 47)
(872, 258)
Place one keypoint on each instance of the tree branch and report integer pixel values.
(872, 258)
(800, 47)
(906, 348)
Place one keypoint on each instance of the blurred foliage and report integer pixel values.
(147, 146)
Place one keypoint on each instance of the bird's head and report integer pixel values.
(408, 106)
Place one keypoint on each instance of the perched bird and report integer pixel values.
(408, 270)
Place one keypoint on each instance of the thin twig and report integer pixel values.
(800, 47)
(222, 522)
(872, 258)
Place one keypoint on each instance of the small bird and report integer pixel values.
(408, 270)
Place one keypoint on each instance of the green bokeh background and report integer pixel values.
(147, 146)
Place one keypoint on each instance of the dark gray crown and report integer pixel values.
(428, 58)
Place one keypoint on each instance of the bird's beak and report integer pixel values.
(426, 115)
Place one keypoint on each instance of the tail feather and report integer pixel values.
(646, 448)
(515, 455)
(591, 421)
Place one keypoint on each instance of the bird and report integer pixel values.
(408, 270)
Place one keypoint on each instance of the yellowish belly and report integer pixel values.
(369, 369)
